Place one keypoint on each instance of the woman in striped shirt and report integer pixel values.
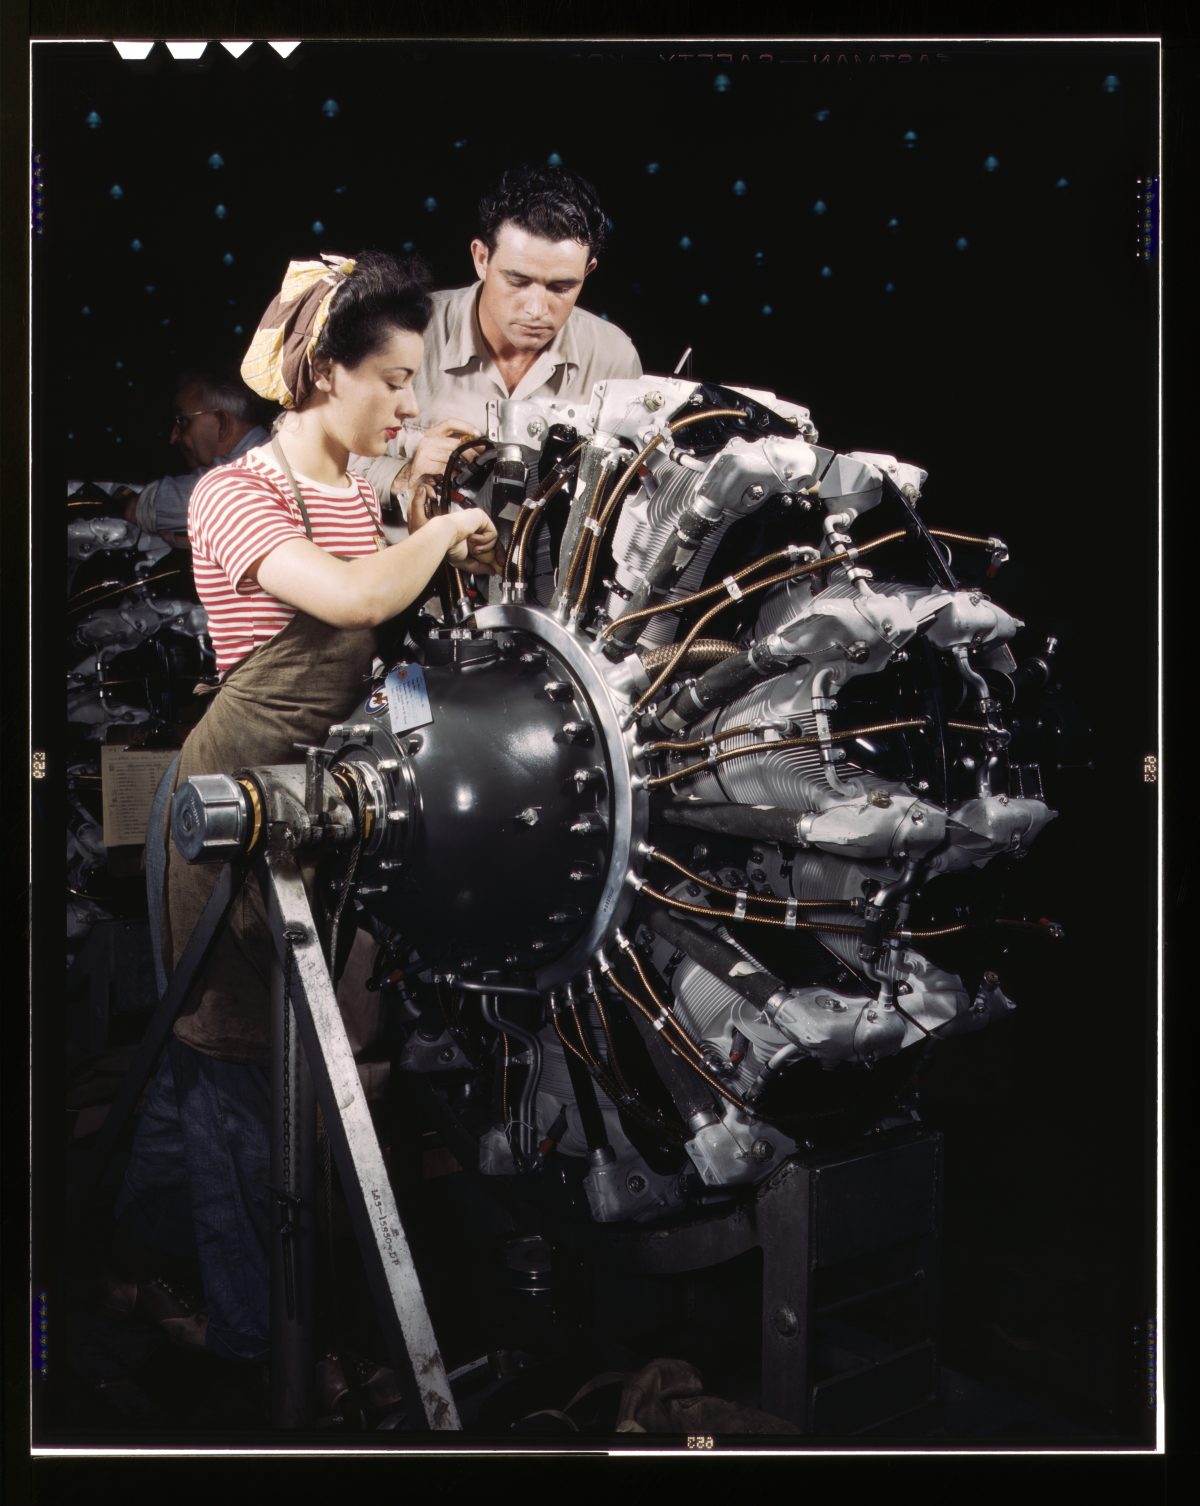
(291, 566)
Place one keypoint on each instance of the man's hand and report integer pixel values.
(419, 477)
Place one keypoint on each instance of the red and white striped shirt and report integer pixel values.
(238, 513)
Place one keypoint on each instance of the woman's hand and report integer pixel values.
(476, 543)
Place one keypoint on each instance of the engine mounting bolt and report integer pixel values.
(916, 817)
(446, 1054)
(535, 428)
(528, 816)
(534, 656)
(699, 853)
(785, 1322)
(872, 1015)
(757, 857)
(756, 492)
(922, 785)
(693, 890)
(636, 1183)
(881, 798)
(857, 652)
(558, 690)
(653, 401)
(991, 979)
(388, 764)
(395, 814)
(762, 1150)
(412, 745)
(757, 876)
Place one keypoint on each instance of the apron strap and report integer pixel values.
(287, 471)
(156, 862)
(380, 536)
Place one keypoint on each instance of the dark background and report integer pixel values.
(1019, 368)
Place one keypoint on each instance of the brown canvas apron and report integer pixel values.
(289, 690)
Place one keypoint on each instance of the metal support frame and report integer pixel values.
(293, 1187)
(391, 1274)
(820, 1213)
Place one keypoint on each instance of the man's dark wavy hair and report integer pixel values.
(548, 201)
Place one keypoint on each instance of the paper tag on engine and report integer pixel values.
(408, 699)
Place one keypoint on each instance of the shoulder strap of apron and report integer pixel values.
(156, 863)
(287, 471)
(380, 539)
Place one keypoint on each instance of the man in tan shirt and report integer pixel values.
(516, 332)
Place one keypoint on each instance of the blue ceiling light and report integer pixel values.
(430, 205)
(86, 309)
(893, 223)
(889, 287)
(767, 309)
(228, 258)
(331, 109)
(92, 120)
(460, 143)
(341, 188)
(722, 83)
(238, 329)
(990, 164)
(739, 188)
(220, 211)
(1062, 183)
(822, 115)
(116, 192)
(961, 243)
(135, 245)
(1111, 84)
(704, 300)
(553, 160)
(826, 271)
(318, 228)
(820, 207)
(910, 138)
(150, 287)
(759, 258)
(652, 168)
(216, 161)
(685, 243)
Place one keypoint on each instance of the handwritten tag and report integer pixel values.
(408, 699)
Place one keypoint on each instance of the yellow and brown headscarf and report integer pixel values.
(278, 365)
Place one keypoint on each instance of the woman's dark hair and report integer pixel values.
(384, 293)
(552, 202)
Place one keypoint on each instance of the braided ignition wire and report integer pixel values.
(809, 740)
(627, 476)
(759, 585)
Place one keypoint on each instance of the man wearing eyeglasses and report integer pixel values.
(217, 418)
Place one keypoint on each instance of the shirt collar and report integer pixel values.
(465, 343)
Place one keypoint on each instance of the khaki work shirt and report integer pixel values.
(459, 376)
